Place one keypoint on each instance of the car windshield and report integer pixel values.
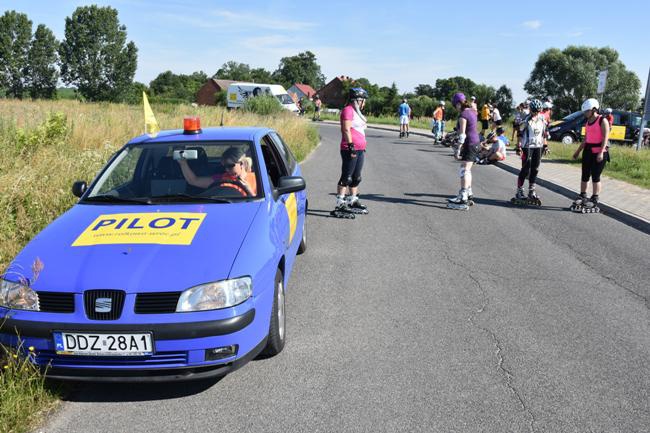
(574, 116)
(221, 171)
(284, 99)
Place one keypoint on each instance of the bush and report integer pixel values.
(265, 105)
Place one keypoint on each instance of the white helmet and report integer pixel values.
(547, 105)
(608, 110)
(441, 102)
(590, 104)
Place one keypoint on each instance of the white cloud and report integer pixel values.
(248, 20)
(532, 24)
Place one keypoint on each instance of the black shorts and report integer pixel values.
(485, 124)
(498, 122)
(469, 152)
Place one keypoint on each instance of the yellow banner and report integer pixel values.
(150, 124)
(292, 211)
(161, 228)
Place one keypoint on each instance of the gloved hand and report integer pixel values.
(518, 151)
(353, 153)
(545, 150)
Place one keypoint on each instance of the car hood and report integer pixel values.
(135, 248)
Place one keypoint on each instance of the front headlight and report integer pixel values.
(18, 296)
(213, 296)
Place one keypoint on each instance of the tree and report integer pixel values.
(232, 70)
(95, 56)
(41, 72)
(503, 101)
(424, 90)
(391, 100)
(261, 75)
(301, 68)
(15, 34)
(570, 76)
(168, 85)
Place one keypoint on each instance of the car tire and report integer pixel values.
(277, 326)
(303, 242)
(567, 139)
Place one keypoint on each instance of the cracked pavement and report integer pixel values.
(416, 318)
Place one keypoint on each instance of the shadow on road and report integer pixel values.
(492, 202)
(320, 212)
(134, 392)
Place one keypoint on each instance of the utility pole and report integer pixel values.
(645, 116)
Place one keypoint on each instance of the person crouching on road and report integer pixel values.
(404, 112)
(493, 149)
(530, 147)
(468, 148)
(594, 149)
(353, 148)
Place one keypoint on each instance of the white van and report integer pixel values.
(238, 93)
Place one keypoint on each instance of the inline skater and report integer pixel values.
(439, 121)
(404, 112)
(531, 147)
(353, 148)
(467, 151)
(594, 156)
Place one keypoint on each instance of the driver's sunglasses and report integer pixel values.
(231, 164)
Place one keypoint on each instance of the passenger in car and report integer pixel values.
(238, 173)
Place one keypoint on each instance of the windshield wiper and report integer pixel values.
(107, 198)
(189, 197)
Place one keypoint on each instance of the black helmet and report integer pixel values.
(357, 93)
(535, 105)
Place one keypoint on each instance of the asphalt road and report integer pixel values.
(422, 319)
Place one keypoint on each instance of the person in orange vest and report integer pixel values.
(439, 121)
(594, 156)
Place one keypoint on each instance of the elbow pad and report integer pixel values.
(461, 138)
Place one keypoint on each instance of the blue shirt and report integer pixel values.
(403, 109)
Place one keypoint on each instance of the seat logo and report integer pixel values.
(103, 305)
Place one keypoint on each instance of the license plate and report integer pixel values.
(98, 344)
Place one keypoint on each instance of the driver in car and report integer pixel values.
(237, 175)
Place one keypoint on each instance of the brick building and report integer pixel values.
(332, 93)
(298, 91)
(207, 93)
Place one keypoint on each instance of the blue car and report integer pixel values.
(172, 265)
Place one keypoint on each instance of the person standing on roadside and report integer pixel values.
(496, 117)
(467, 151)
(352, 149)
(609, 116)
(594, 151)
(531, 147)
(439, 121)
(474, 106)
(317, 106)
(516, 121)
(485, 117)
(404, 112)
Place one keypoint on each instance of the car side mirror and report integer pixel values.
(79, 188)
(289, 184)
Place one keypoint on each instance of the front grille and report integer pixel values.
(55, 302)
(107, 310)
(156, 303)
(157, 360)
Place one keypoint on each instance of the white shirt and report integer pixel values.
(496, 116)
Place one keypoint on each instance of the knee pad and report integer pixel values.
(355, 182)
(345, 181)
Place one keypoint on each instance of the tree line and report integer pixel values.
(95, 58)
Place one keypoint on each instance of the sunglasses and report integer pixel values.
(231, 164)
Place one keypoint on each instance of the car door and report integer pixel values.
(282, 212)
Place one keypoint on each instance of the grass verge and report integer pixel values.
(44, 147)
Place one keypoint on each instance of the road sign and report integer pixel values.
(602, 80)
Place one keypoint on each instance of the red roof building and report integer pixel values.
(332, 93)
(298, 91)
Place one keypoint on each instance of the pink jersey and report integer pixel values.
(358, 129)
(594, 135)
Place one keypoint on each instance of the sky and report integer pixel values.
(406, 42)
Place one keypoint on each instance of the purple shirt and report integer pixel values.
(470, 129)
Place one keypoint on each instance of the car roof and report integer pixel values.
(206, 134)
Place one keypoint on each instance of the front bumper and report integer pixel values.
(180, 348)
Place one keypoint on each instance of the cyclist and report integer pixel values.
(531, 146)
(404, 112)
(353, 147)
(468, 148)
(594, 150)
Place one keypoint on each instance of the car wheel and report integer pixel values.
(303, 242)
(277, 326)
(567, 139)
